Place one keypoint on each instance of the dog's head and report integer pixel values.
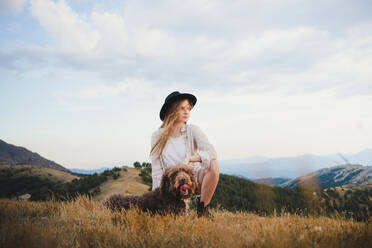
(179, 181)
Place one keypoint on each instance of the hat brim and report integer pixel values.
(170, 101)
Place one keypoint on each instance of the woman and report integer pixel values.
(177, 142)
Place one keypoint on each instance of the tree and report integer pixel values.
(137, 165)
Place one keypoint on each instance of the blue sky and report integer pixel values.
(82, 82)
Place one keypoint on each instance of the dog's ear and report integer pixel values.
(165, 181)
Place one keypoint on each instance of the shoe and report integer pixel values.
(202, 211)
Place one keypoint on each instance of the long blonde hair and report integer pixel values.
(168, 124)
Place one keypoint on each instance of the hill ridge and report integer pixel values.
(346, 174)
(13, 154)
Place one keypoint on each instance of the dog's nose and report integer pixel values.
(182, 180)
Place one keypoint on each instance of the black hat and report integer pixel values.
(173, 97)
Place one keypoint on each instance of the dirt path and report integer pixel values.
(126, 182)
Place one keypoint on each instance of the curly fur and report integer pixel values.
(168, 198)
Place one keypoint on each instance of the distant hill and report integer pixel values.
(13, 155)
(89, 172)
(38, 181)
(348, 174)
(272, 181)
(41, 182)
(17, 171)
(290, 167)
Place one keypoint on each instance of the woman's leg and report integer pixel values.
(208, 180)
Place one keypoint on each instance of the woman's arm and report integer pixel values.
(206, 151)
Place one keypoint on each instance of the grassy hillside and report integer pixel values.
(232, 193)
(43, 173)
(129, 182)
(43, 183)
(238, 194)
(84, 223)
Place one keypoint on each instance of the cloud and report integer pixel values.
(284, 77)
(93, 96)
(15, 6)
(225, 47)
(70, 30)
(104, 90)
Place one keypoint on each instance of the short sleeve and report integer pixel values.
(206, 150)
(155, 164)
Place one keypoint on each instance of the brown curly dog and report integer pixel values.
(177, 184)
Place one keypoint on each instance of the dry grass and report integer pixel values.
(84, 223)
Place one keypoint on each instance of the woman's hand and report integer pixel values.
(186, 160)
(194, 158)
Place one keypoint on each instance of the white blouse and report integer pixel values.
(175, 150)
(191, 141)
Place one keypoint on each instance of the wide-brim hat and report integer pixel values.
(173, 97)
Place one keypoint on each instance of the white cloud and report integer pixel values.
(345, 69)
(70, 30)
(104, 90)
(15, 6)
(279, 77)
(166, 48)
(222, 49)
(96, 96)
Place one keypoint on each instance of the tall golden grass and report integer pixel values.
(84, 223)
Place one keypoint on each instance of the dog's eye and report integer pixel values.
(173, 176)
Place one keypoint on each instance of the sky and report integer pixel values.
(82, 81)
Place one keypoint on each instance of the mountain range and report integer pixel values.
(284, 172)
(341, 175)
(254, 168)
(272, 181)
(89, 172)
